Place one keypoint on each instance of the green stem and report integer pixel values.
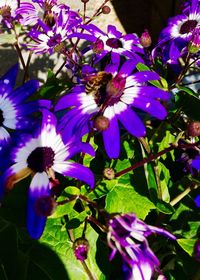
(183, 194)
(87, 270)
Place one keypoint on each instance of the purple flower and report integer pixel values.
(128, 236)
(30, 14)
(14, 111)
(177, 35)
(53, 38)
(41, 156)
(112, 42)
(113, 94)
(8, 11)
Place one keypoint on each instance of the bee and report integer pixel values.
(96, 82)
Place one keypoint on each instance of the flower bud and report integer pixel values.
(81, 248)
(98, 46)
(145, 39)
(101, 123)
(194, 45)
(84, 1)
(109, 173)
(45, 206)
(193, 129)
(106, 10)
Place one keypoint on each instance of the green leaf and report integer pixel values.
(164, 181)
(124, 199)
(66, 208)
(164, 207)
(187, 245)
(58, 240)
(102, 189)
(7, 39)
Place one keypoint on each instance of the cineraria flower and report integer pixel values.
(128, 236)
(47, 10)
(108, 97)
(112, 42)
(52, 38)
(7, 11)
(176, 36)
(41, 156)
(14, 111)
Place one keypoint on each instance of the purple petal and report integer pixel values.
(153, 92)
(132, 122)
(7, 82)
(67, 100)
(150, 106)
(39, 187)
(23, 92)
(127, 67)
(112, 30)
(197, 200)
(111, 137)
(75, 170)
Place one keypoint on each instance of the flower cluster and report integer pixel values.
(117, 102)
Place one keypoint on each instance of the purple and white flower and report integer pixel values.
(114, 98)
(177, 35)
(127, 235)
(14, 111)
(8, 11)
(113, 42)
(41, 157)
(53, 38)
(46, 10)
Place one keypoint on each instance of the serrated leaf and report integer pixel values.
(102, 189)
(187, 245)
(124, 199)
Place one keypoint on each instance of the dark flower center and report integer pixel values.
(114, 43)
(1, 117)
(188, 26)
(55, 40)
(5, 11)
(41, 159)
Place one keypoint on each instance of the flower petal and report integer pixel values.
(39, 187)
(111, 135)
(75, 170)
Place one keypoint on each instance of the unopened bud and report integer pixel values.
(98, 46)
(81, 248)
(101, 123)
(45, 206)
(84, 1)
(109, 173)
(145, 39)
(194, 45)
(193, 129)
(106, 10)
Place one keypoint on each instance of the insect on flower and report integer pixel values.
(97, 81)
